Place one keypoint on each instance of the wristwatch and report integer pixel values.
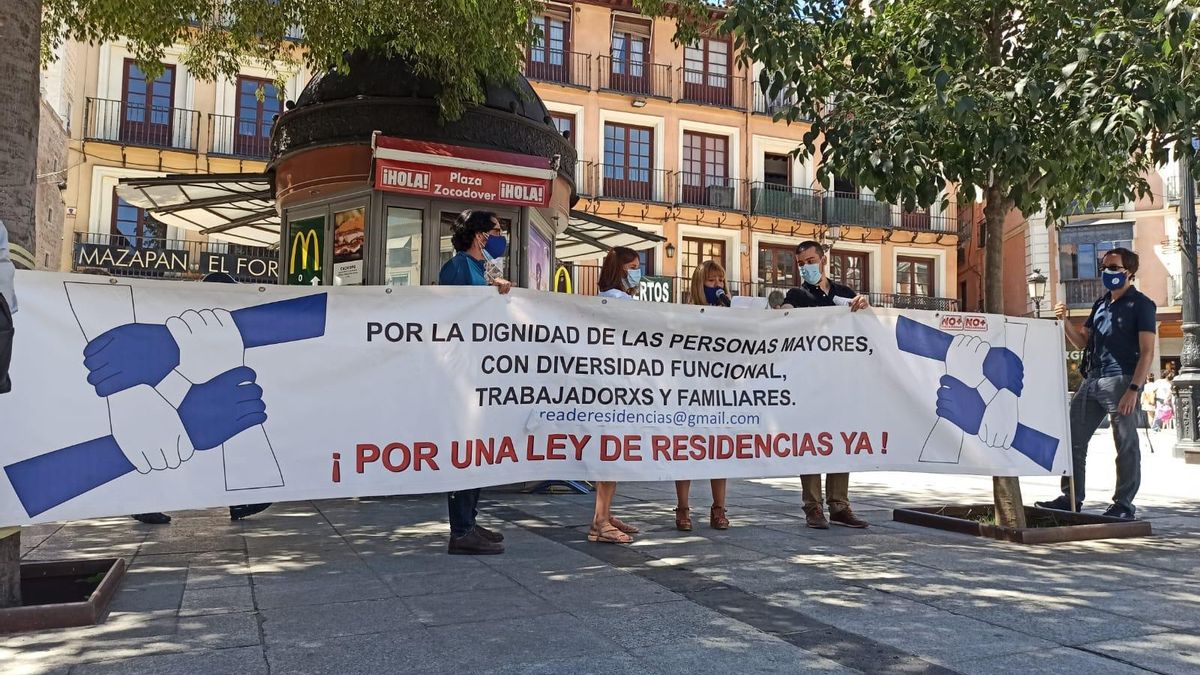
(1135, 387)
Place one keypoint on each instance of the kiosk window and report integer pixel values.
(402, 265)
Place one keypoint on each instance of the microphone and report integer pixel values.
(722, 298)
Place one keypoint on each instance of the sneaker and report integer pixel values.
(152, 518)
(246, 510)
(1060, 503)
(846, 517)
(490, 535)
(1118, 511)
(814, 517)
(474, 543)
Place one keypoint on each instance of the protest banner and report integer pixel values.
(132, 396)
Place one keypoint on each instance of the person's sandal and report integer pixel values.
(683, 520)
(627, 529)
(717, 518)
(608, 534)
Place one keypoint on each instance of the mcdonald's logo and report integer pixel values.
(300, 243)
(565, 274)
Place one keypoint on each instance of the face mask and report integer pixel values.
(811, 274)
(710, 294)
(496, 245)
(1113, 280)
(632, 278)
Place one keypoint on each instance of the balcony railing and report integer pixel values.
(723, 91)
(642, 79)
(768, 199)
(585, 179)
(1083, 292)
(551, 65)
(769, 105)
(632, 184)
(716, 192)
(162, 258)
(904, 301)
(849, 208)
(1174, 290)
(138, 124)
(225, 137)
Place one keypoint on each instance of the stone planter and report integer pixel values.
(1045, 526)
(63, 593)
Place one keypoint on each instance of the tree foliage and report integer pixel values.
(1038, 103)
(450, 41)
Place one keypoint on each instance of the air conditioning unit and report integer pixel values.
(719, 196)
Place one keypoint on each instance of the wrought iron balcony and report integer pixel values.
(640, 79)
(231, 137)
(552, 65)
(138, 124)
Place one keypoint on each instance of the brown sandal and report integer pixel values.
(627, 529)
(717, 518)
(608, 535)
(683, 520)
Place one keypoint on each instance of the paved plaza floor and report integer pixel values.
(364, 586)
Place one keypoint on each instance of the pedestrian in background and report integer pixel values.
(707, 289)
(8, 307)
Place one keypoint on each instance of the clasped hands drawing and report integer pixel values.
(188, 375)
(979, 391)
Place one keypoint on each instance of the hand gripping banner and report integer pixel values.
(124, 392)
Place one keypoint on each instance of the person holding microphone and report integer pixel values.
(707, 289)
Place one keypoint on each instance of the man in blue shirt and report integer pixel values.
(477, 238)
(1118, 340)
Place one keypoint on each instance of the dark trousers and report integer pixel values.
(463, 509)
(6, 342)
(1096, 398)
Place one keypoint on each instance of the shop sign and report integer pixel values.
(128, 258)
(466, 174)
(264, 266)
(656, 289)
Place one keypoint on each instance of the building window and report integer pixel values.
(565, 123)
(147, 106)
(628, 162)
(777, 170)
(776, 267)
(548, 51)
(646, 260)
(705, 170)
(706, 72)
(850, 268)
(255, 116)
(914, 276)
(1082, 260)
(697, 250)
(629, 55)
(133, 226)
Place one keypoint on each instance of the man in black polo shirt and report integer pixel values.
(1118, 341)
(817, 290)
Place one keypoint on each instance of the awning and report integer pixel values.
(234, 207)
(240, 208)
(589, 236)
(1099, 221)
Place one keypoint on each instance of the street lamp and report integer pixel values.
(1187, 384)
(1037, 290)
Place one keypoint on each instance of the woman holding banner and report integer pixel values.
(708, 289)
(619, 278)
(477, 238)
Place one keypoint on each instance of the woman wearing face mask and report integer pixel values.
(478, 238)
(619, 278)
(708, 288)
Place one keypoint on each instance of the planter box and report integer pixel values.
(1047, 526)
(68, 593)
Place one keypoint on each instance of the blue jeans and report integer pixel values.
(1097, 397)
(463, 509)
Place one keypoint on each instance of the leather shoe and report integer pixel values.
(490, 535)
(814, 517)
(152, 518)
(246, 510)
(846, 517)
(474, 543)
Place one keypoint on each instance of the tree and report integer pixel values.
(453, 42)
(1036, 105)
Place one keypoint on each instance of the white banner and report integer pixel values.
(132, 396)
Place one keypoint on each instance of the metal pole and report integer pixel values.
(1187, 383)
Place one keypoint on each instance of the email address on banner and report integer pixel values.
(678, 418)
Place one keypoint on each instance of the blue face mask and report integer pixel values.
(496, 245)
(1113, 280)
(811, 274)
(710, 294)
(632, 278)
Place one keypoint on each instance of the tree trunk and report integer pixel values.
(1006, 490)
(10, 567)
(20, 24)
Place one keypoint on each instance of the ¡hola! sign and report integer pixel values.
(468, 174)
